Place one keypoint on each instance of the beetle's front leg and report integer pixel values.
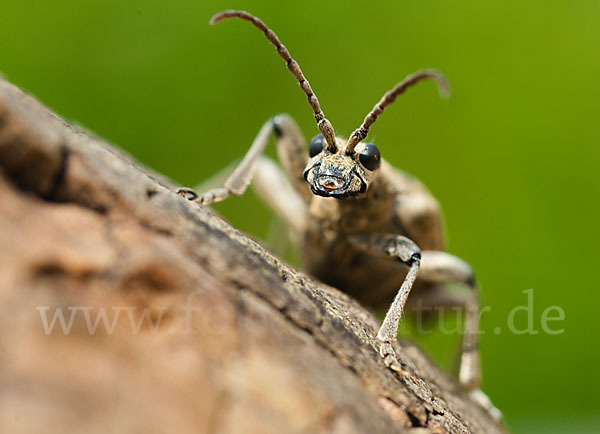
(238, 181)
(402, 249)
(292, 153)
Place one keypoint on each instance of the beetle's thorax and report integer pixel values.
(370, 211)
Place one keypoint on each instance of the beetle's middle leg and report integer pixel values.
(275, 189)
(437, 270)
(440, 268)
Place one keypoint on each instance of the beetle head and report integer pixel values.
(337, 173)
(338, 168)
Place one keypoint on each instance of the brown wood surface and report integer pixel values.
(245, 343)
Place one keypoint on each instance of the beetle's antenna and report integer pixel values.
(323, 124)
(390, 96)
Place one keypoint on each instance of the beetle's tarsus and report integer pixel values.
(187, 193)
(386, 351)
(211, 196)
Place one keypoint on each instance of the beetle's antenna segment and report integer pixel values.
(323, 124)
(390, 96)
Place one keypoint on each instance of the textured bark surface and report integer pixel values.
(237, 340)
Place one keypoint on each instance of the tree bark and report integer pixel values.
(205, 331)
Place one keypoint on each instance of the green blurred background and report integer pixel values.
(513, 156)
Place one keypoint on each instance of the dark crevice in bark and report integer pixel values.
(60, 175)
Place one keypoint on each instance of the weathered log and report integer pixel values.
(212, 333)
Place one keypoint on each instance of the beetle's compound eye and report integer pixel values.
(369, 157)
(316, 145)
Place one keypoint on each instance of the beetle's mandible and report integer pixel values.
(365, 227)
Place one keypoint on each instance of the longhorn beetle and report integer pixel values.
(365, 226)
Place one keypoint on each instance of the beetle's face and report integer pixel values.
(338, 175)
